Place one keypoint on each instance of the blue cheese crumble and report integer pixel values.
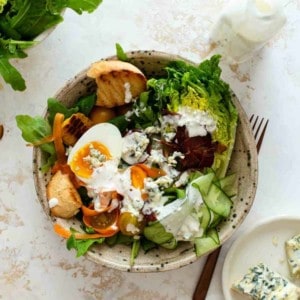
(262, 283)
(292, 247)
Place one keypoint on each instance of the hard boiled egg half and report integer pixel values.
(101, 143)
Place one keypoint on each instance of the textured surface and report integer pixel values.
(34, 263)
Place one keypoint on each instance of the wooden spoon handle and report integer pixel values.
(206, 275)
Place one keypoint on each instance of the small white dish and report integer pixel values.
(262, 243)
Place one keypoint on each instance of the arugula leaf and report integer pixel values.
(135, 249)
(81, 246)
(54, 106)
(11, 75)
(21, 21)
(120, 53)
(2, 4)
(86, 103)
(31, 18)
(34, 130)
(12, 49)
(83, 5)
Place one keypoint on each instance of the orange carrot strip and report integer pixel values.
(90, 212)
(137, 176)
(46, 139)
(152, 172)
(57, 138)
(66, 233)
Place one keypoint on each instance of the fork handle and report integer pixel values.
(206, 275)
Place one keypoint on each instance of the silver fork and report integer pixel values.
(259, 126)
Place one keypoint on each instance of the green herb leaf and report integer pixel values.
(85, 104)
(120, 53)
(34, 130)
(54, 106)
(84, 5)
(135, 248)
(11, 75)
(81, 246)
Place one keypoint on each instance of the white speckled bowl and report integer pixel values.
(243, 163)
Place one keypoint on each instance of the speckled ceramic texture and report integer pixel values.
(243, 163)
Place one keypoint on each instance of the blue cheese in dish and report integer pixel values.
(292, 247)
(262, 283)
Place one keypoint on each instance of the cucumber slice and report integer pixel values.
(203, 183)
(228, 184)
(215, 219)
(205, 218)
(207, 243)
(218, 201)
(213, 234)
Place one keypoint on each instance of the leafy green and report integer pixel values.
(81, 246)
(199, 87)
(120, 53)
(10, 49)
(2, 4)
(83, 5)
(54, 106)
(135, 248)
(83, 105)
(34, 130)
(21, 21)
(86, 103)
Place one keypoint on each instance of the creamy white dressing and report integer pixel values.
(128, 95)
(53, 202)
(108, 177)
(134, 147)
(177, 217)
(156, 157)
(197, 122)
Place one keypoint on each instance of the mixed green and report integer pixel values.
(21, 21)
(205, 196)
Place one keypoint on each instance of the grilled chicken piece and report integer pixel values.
(74, 127)
(118, 82)
(64, 200)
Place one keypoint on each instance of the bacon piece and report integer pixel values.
(198, 151)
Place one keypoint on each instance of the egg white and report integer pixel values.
(104, 133)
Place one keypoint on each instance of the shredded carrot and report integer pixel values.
(152, 172)
(137, 177)
(57, 138)
(90, 212)
(66, 233)
(44, 140)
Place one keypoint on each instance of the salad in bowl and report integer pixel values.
(143, 161)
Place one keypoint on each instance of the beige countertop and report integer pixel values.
(34, 263)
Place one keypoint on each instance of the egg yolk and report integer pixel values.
(89, 157)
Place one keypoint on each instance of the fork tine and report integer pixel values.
(254, 124)
(260, 140)
(258, 128)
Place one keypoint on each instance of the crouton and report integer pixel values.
(118, 82)
(64, 200)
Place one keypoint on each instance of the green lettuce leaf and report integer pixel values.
(120, 53)
(201, 88)
(10, 49)
(2, 4)
(81, 246)
(54, 106)
(83, 5)
(21, 21)
(34, 129)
